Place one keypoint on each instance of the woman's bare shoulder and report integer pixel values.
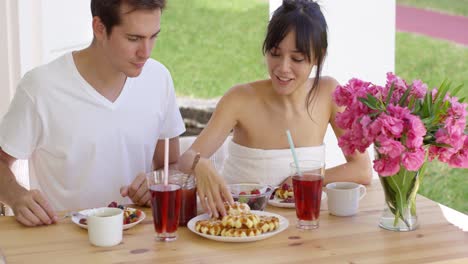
(246, 91)
(328, 83)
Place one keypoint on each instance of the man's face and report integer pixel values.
(130, 43)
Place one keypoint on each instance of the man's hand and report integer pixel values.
(32, 209)
(137, 191)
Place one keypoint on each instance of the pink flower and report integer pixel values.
(413, 160)
(391, 148)
(387, 125)
(400, 129)
(416, 132)
(460, 159)
(347, 95)
(419, 89)
(343, 96)
(396, 81)
(386, 166)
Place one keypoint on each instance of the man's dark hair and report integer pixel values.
(109, 10)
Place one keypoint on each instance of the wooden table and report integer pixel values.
(356, 239)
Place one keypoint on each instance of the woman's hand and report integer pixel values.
(211, 189)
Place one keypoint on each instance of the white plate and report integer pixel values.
(277, 202)
(76, 219)
(283, 224)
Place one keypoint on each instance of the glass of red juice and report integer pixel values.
(188, 207)
(165, 205)
(307, 187)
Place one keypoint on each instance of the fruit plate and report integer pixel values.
(76, 219)
(283, 224)
(277, 202)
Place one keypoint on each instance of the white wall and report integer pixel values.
(9, 52)
(35, 32)
(50, 28)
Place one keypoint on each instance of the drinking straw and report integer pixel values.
(293, 151)
(166, 161)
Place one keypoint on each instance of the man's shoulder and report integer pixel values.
(153, 66)
(37, 78)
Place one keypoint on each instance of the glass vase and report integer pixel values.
(400, 198)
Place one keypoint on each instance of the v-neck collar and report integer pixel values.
(93, 92)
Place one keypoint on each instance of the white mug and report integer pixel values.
(105, 226)
(343, 197)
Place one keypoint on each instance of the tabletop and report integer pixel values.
(355, 239)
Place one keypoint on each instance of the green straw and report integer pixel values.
(293, 151)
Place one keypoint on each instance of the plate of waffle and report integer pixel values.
(239, 225)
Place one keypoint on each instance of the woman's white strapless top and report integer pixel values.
(271, 166)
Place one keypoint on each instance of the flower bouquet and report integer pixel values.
(408, 125)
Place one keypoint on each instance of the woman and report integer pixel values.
(260, 112)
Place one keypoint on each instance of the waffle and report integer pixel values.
(240, 232)
(239, 222)
(210, 227)
(237, 208)
(268, 223)
(284, 194)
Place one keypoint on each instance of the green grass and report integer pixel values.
(446, 185)
(431, 60)
(456, 7)
(202, 44)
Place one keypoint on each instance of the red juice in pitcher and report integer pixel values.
(307, 195)
(165, 204)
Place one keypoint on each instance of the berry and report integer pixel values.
(138, 213)
(121, 207)
(112, 204)
(83, 221)
(285, 186)
(255, 191)
(242, 193)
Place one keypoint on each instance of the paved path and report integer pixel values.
(433, 24)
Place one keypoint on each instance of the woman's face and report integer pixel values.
(288, 68)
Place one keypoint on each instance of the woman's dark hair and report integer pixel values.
(304, 17)
(109, 10)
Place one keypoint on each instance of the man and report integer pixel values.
(93, 119)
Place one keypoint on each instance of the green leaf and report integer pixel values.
(455, 90)
(389, 95)
(370, 101)
(405, 96)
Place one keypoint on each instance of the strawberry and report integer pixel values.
(138, 213)
(112, 204)
(255, 191)
(242, 193)
(285, 186)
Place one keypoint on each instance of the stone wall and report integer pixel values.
(196, 113)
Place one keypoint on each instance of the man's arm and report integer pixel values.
(30, 207)
(137, 191)
(174, 152)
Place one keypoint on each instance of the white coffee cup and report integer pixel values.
(105, 226)
(343, 197)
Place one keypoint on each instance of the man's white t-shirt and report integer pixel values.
(82, 147)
